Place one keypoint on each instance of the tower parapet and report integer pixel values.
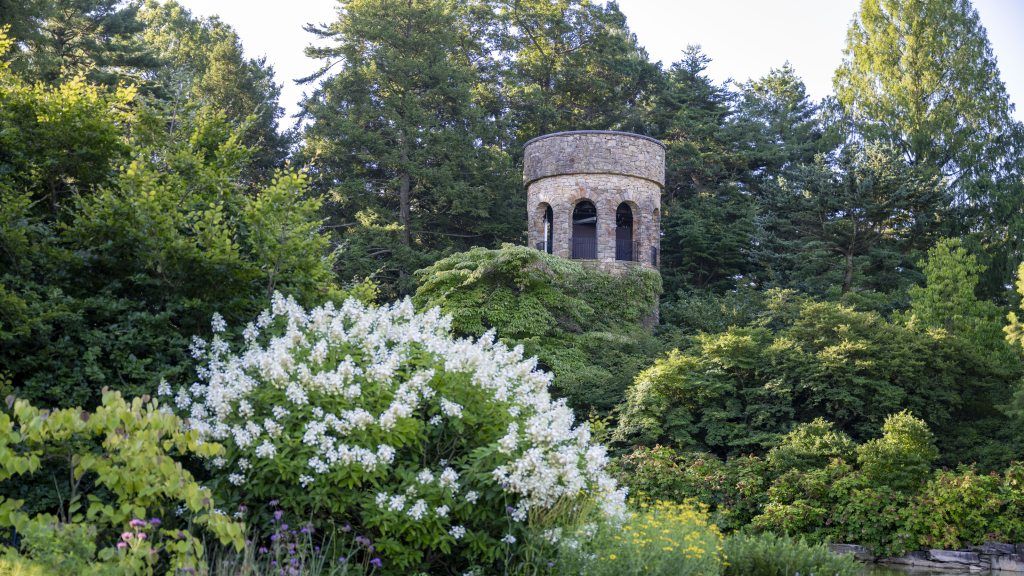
(595, 195)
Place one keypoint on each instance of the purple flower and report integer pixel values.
(154, 522)
(362, 540)
(263, 550)
(272, 503)
(275, 537)
(278, 514)
(342, 559)
(136, 523)
(376, 562)
(347, 527)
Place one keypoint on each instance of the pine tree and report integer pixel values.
(400, 134)
(708, 217)
(856, 220)
(575, 66)
(60, 39)
(920, 75)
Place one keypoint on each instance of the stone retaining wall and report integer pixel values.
(993, 556)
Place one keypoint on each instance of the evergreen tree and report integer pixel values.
(574, 65)
(856, 220)
(398, 135)
(201, 65)
(782, 119)
(708, 217)
(59, 39)
(920, 75)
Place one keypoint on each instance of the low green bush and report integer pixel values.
(733, 490)
(128, 505)
(770, 555)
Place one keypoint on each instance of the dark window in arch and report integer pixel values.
(624, 247)
(584, 231)
(549, 230)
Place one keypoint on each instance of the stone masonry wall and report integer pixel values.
(594, 152)
(606, 168)
(606, 191)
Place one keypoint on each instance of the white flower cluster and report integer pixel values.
(366, 355)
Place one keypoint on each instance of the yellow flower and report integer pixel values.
(612, 556)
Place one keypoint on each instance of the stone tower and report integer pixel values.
(595, 195)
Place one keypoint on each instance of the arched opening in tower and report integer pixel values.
(624, 248)
(584, 231)
(549, 229)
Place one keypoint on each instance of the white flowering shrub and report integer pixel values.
(379, 418)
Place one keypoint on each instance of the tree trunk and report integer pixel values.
(404, 190)
(404, 217)
(848, 275)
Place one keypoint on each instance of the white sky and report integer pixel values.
(744, 38)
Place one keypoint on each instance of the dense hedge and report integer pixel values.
(587, 327)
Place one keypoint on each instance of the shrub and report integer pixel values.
(810, 445)
(902, 458)
(661, 538)
(732, 490)
(739, 391)
(130, 505)
(963, 507)
(585, 326)
(378, 417)
(770, 555)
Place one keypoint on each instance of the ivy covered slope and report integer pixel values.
(585, 326)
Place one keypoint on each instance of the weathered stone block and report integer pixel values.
(857, 551)
(962, 557)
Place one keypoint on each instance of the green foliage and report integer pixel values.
(586, 326)
(125, 465)
(202, 67)
(921, 75)
(902, 457)
(741, 389)
(770, 555)
(732, 490)
(400, 133)
(109, 266)
(851, 221)
(662, 539)
(577, 66)
(960, 507)
(1015, 326)
(62, 39)
(811, 445)
(708, 221)
(58, 142)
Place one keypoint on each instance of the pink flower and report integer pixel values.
(141, 535)
(121, 545)
(126, 536)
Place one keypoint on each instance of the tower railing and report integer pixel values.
(584, 248)
(627, 250)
